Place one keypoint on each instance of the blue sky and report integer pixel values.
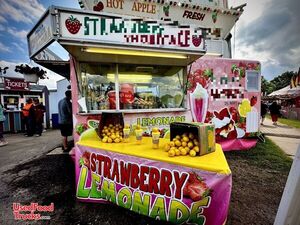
(267, 31)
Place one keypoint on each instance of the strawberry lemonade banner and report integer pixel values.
(140, 33)
(159, 190)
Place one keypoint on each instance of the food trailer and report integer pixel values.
(14, 92)
(136, 64)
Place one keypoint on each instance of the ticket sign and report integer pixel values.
(15, 84)
(131, 32)
(206, 14)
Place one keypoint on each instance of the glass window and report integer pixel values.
(138, 86)
(95, 85)
(252, 80)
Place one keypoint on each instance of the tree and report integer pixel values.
(266, 86)
(282, 80)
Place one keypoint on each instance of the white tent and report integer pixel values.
(282, 91)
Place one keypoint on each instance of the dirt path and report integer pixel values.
(255, 198)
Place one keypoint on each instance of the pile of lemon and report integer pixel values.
(112, 133)
(186, 144)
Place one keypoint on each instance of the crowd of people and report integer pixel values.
(274, 109)
(33, 117)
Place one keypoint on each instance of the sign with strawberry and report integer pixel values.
(73, 25)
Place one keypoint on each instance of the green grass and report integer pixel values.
(289, 122)
(265, 155)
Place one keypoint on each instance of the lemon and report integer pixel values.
(172, 144)
(177, 137)
(110, 125)
(185, 139)
(104, 127)
(117, 140)
(173, 148)
(177, 143)
(104, 139)
(196, 149)
(192, 153)
(187, 149)
(167, 147)
(171, 153)
(244, 107)
(109, 140)
(177, 152)
(183, 151)
(185, 135)
(113, 136)
(190, 144)
(180, 148)
(183, 144)
(196, 142)
(191, 136)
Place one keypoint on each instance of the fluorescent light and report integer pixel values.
(134, 53)
(212, 54)
(130, 77)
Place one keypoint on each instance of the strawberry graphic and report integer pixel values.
(73, 25)
(196, 40)
(253, 100)
(166, 10)
(214, 17)
(99, 7)
(195, 188)
(222, 114)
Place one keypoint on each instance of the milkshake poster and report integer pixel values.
(218, 94)
(159, 190)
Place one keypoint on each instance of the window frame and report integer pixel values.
(258, 81)
(117, 87)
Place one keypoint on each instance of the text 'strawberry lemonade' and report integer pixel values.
(199, 103)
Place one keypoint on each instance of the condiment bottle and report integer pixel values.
(126, 132)
(155, 138)
(138, 134)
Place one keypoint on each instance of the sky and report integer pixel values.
(267, 31)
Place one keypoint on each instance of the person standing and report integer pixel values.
(39, 111)
(275, 112)
(28, 118)
(2, 119)
(263, 112)
(65, 118)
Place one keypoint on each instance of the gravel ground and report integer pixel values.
(256, 194)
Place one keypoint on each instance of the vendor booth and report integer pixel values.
(129, 72)
(13, 93)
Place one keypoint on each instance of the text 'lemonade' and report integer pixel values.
(199, 103)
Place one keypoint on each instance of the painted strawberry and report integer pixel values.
(214, 17)
(166, 10)
(197, 190)
(234, 113)
(253, 100)
(73, 25)
(99, 7)
(222, 114)
(196, 39)
(86, 158)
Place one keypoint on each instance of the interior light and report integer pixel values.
(129, 77)
(134, 53)
(213, 54)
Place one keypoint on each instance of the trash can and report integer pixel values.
(54, 120)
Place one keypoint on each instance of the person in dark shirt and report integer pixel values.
(275, 112)
(263, 111)
(39, 111)
(65, 118)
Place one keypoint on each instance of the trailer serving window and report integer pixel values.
(252, 80)
(132, 87)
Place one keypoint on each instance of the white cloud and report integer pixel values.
(19, 47)
(21, 11)
(2, 19)
(22, 34)
(267, 31)
(4, 48)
